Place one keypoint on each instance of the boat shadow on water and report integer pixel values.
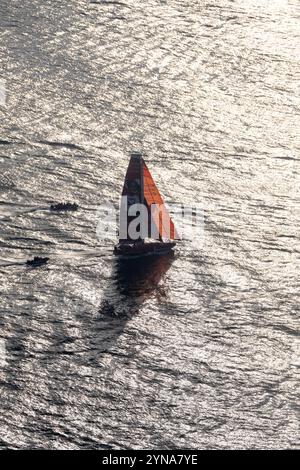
(130, 285)
(132, 282)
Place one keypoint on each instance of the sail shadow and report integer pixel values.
(132, 282)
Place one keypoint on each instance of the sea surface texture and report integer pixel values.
(198, 350)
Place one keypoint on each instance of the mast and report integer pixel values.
(141, 177)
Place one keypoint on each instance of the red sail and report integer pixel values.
(139, 187)
(161, 219)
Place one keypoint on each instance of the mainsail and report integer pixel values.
(139, 187)
(132, 183)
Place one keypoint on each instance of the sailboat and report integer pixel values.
(157, 233)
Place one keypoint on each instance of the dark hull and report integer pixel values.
(125, 250)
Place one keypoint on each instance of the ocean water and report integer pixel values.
(198, 350)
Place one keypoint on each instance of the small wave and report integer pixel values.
(61, 144)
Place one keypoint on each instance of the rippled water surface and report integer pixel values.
(198, 350)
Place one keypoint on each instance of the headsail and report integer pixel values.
(160, 216)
